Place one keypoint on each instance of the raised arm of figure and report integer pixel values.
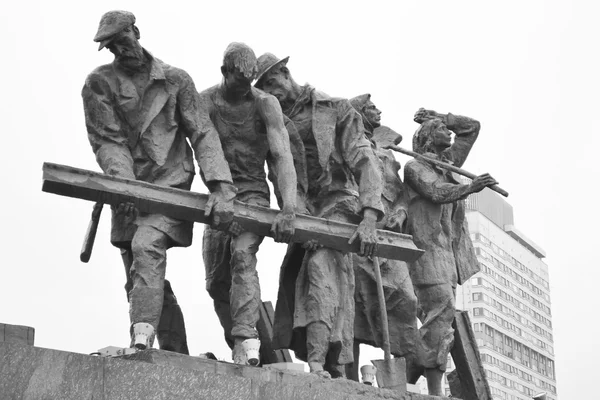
(466, 130)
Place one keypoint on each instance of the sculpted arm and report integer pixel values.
(394, 191)
(467, 131)
(207, 147)
(398, 213)
(400, 205)
(429, 184)
(465, 128)
(104, 129)
(279, 146)
(202, 134)
(358, 154)
(360, 157)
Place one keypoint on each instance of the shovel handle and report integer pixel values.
(387, 355)
(444, 165)
(90, 234)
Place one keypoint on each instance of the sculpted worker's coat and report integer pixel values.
(320, 286)
(145, 137)
(344, 152)
(400, 300)
(436, 213)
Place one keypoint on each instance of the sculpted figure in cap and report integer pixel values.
(436, 220)
(251, 127)
(315, 306)
(140, 114)
(400, 299)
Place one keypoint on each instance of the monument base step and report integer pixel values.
(28, 372)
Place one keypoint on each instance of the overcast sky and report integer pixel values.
(528, 70)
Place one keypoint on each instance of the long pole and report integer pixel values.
(444, 165)
(382, 311)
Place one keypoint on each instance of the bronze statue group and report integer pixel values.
(326, 157)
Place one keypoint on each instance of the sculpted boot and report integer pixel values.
(336, 371)
(246, 351)
(251, 348)
(238, 354)
(434, 381)
(143, 335)
(413, 369)
(317, 345)
(171, 327)
(145, 306)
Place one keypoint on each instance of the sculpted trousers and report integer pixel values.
(324, 300)
(437, 306)
(232, 281)
(400, 301)
(401, 307)
(171, 328)
(324, 295)
(149, 249)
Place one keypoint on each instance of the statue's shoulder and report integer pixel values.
(210, 92)
(173, 73)
(207, 98)
(101, 81)
(416, 165)
(264, 98)
(320, 96)
(101, 73)
(341, 104)
(411, 164)
(385, 136)
(259, 94)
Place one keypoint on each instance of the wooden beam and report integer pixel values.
(465, 353)
(265, 332)
(186, 205)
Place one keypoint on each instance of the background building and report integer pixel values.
(509, 303)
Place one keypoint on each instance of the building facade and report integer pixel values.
(509, 303)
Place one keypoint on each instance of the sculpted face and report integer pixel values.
(236, 82)
(278, 84)
(372, 114)
(442, 137)
(127, 49)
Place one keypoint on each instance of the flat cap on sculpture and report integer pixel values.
(266, 62)
(112, 23)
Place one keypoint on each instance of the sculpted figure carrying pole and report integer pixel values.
(140, 114)
(400, 299)
(252, 131)
(436, 220)
(315, 307)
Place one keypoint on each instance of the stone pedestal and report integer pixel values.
(17, 334)
(28, 372)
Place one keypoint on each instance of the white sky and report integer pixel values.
(528, 70)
